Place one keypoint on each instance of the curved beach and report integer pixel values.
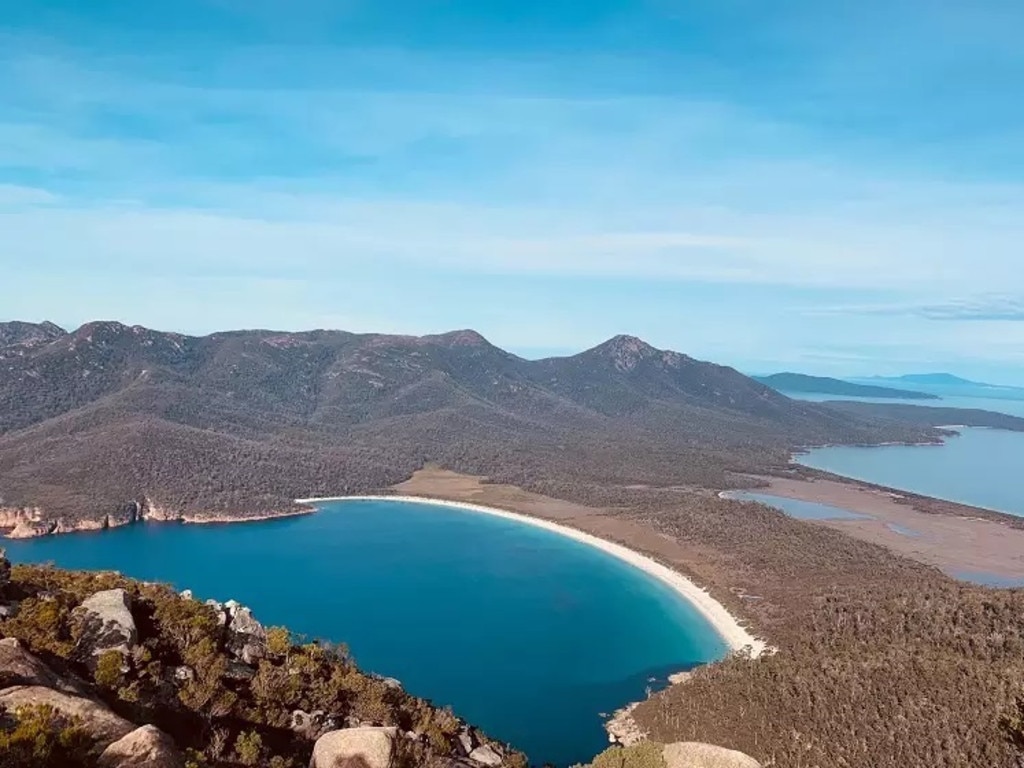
(728, 627)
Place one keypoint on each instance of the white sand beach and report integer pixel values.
(734, 634)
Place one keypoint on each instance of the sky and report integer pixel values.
(835, 188)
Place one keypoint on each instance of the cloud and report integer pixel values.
(995, 308)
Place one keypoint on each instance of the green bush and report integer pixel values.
(43, 738)
(249, 748)
(108, 669)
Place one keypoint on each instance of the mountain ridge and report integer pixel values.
(107, 416)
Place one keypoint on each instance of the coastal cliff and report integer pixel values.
(34, 521)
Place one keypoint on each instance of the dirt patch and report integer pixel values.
(954, 543)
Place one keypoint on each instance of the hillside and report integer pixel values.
(798, 382)
(109, 423)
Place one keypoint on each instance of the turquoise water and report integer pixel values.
(526, 633)
(980, 467)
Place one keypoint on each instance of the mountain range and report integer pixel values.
(110, 420)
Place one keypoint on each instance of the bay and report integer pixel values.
(528, 634)
(980, 467)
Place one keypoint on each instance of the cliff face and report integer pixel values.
(31, 522)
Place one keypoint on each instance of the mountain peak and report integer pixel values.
(21, 333)
(465, 337)
(625, 351)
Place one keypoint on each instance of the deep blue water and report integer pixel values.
(980, 467)
(526, 633)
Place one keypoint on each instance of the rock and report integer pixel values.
(392, 683)
(8, 612)
(186, 594)
(466, 741)
(145, 747)
(99, 722)
(694, 754)
(355, 748)
(239, 670)
(486, 755)
(19, 667)
(222, 614)
(312, 725)
(105, 624)
(247, 638)
(5, 568)
(184, 674)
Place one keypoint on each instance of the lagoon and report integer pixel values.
(524, 632)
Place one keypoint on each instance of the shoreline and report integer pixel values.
(736, 637)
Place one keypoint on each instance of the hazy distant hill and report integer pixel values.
(950, 385)
(242, 422)
(798, 382)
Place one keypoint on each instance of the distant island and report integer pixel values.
(947, 384)
(799, 382)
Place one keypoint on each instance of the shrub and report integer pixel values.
(279, 641)
(249, 748)
(43, 738)
(108, 669)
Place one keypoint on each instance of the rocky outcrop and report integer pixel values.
(355, 748)
(98, 721)
(26, 522)
(104, 623)
(18, 667)
(145, 747)
(487, 755)
(623, 728)
(312, 725)
(693, 754)
(246, 637)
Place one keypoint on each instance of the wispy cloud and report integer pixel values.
(993, 307)
(558, 193)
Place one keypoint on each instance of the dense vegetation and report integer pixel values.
(181, 677)
(109, 419)
(799, 382)
(882, 662)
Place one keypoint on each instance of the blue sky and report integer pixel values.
(829, 187)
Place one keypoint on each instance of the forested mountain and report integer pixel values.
(108, 418)
(824, 385)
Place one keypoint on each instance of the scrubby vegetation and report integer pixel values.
(93, 422)
(40, 737)
(1012, 724)
(882, 662)
(646, 754)
(181, 678)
